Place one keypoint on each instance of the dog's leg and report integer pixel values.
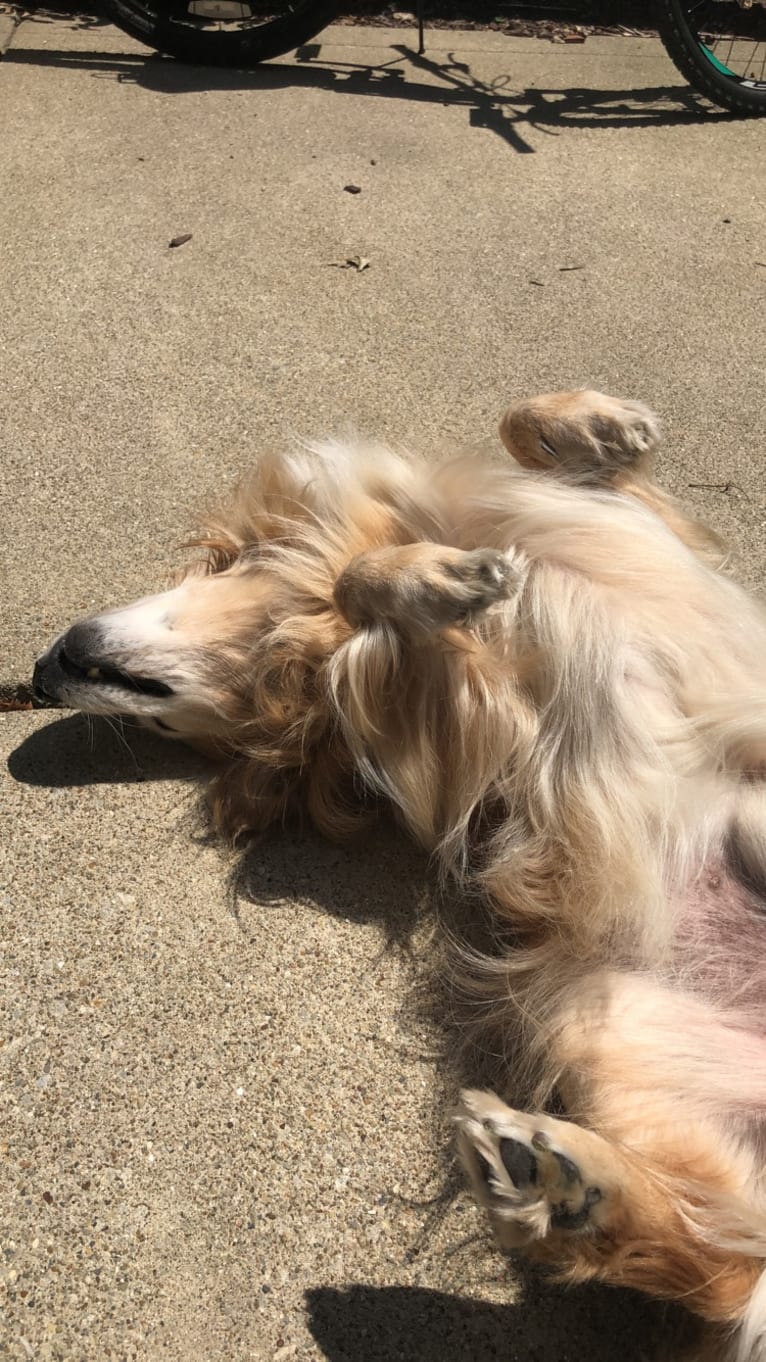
(604, 442)
(422, 588)
(570, 1199)
(583, 434)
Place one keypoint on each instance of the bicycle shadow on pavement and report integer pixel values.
(496, 107)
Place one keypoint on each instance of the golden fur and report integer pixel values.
(540, 665)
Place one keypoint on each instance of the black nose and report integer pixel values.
(67, 659)
(80, 646)
(48, 676)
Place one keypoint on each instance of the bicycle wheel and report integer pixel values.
(719, 46)
(221, 32)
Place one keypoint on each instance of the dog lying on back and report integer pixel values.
(540, 666)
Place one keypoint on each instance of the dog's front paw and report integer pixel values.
(482, 577)
(422, 588)
(583, 434)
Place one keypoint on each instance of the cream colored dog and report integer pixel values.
(542, 668)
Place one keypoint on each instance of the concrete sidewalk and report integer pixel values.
(224, 1117)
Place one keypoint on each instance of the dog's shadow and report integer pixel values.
(546, 1323)
(385, 881)
(380, 878)
(76, 751)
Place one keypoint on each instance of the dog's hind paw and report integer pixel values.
(586, 434)
(534, 1174)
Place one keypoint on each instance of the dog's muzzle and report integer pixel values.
(76, 661)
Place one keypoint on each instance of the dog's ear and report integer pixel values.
(245, 797)
(422, 588)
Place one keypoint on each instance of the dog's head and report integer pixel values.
(296, 641)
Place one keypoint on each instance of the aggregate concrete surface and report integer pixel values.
(225, 1112)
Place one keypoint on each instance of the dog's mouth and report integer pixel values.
(105, 675)
(56, 673)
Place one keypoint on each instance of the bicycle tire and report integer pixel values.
(679, 33)
(171, 28)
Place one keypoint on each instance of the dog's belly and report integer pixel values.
(720, 943)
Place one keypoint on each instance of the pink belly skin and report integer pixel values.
(719, 949)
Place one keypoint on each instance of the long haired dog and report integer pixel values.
(541, 667)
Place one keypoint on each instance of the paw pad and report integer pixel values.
(522, 1174)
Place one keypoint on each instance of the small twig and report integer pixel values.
(713, 486)
(17, 698)
(352, 262)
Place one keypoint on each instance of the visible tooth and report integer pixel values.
(93, 673)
